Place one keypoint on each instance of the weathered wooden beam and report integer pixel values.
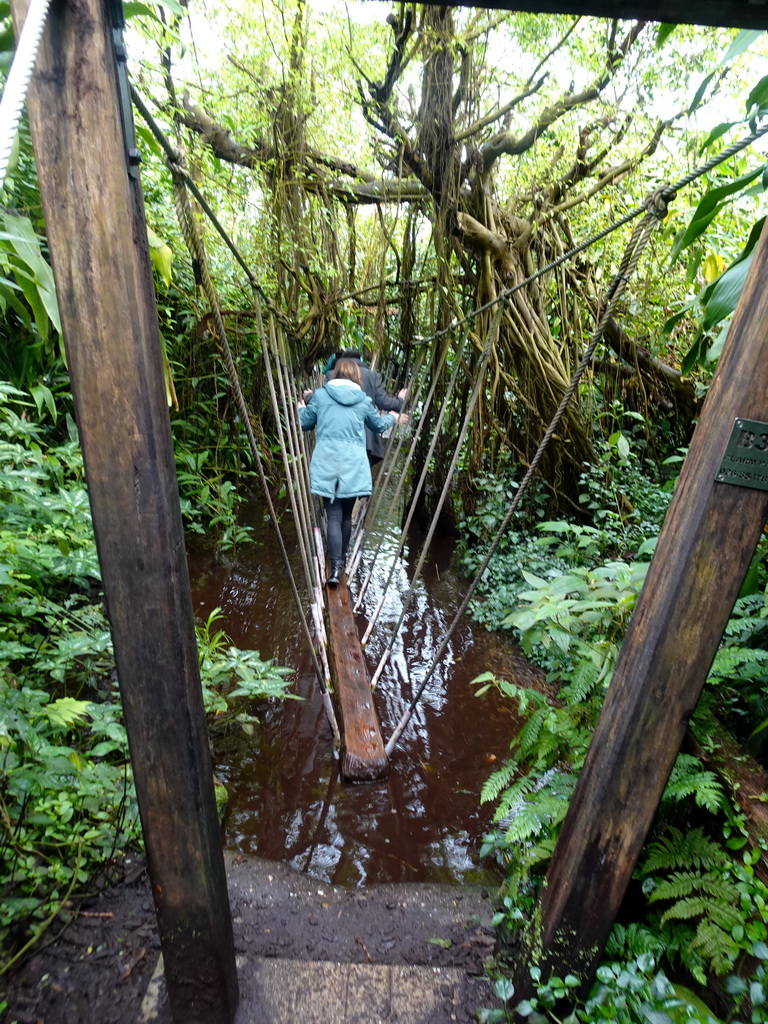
(363, 758)
(702, 556)
(739, 13)
(97, 235)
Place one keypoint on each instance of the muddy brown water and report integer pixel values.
(286, 800)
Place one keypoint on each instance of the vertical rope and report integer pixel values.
(412, 510)
(384, 477)
(401, 481)
(194, 242)
(656, 211)
(490, 341)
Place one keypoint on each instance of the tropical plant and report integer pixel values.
(67, 802)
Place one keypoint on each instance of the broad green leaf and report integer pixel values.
(161, 255)
(694, 355)
(699, 95)
(26, 244)
(742, 42)
(715, 349)
(708, 209)
(693, 1000)
(714, 265)
(535, 581)
(673, 321)
(67, 711)
(43, 396)
(663, 34)
(717, 132)
(725, 293)
(759, 95)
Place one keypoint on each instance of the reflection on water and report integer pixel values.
(287, 802)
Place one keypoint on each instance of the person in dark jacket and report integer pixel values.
(373, 386)
(339, 471)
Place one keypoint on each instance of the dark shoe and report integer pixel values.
(337, 568)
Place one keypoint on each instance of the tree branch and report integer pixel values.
(506, 144)
(501, 111)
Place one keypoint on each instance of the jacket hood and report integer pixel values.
(344, 394)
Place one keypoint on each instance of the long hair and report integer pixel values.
(349, 369)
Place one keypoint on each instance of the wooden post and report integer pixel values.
(97, 235)
(703, 553)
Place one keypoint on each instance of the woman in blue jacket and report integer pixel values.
(339, 471)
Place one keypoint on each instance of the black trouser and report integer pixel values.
(339, 514)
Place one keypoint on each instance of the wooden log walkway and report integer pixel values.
(363, 758)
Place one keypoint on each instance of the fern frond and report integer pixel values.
(630, 941)
(711, 885)
(716, 945)
(690, 778)
(528, 735)
(739, 663)
(536, 816)
(494, 784)
(581, 683)
(679, 849)
(514, 797)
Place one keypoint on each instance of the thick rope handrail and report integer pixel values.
(295, 478)
(490, 341)
(288, 392)
(194, 242)
(656, 209)
(17, 83)
(413, 388)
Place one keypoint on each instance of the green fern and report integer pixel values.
(529, 734)
(739, 663)
(677, 849)
(716, 945)
(515, 795)
(542, 810)
(684, 885)
(689, 778)
(496, 782)
(632, 940)
(582, 682)
(703, 906)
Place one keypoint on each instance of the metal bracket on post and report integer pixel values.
(117, 21)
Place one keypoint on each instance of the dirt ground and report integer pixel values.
(98, 969)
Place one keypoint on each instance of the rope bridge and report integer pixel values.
(334, 607)
(293, 445)
(341, 638)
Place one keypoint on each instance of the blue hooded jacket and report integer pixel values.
(341, 411)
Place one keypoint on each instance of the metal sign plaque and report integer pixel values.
(745, 463)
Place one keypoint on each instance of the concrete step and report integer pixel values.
(279, 991)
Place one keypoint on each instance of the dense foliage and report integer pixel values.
(697, 908)
(67, 803)
(383, 173)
